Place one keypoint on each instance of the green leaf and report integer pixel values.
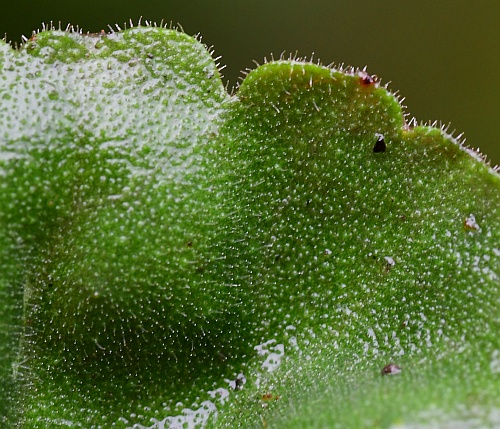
(175, 256)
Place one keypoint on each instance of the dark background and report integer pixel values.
(442, 55)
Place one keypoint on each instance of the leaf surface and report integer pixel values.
(175, 256)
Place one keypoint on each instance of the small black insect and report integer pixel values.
(379, 144)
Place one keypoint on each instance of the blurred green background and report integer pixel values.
(443, 56)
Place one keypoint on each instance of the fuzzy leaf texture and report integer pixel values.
(176, 256)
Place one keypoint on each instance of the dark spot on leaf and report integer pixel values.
(470, 224)
(391, 369)
(389, 263)
(270, 397)
(238, 384)
(189, 243)
(366, 79)
(379, 144)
